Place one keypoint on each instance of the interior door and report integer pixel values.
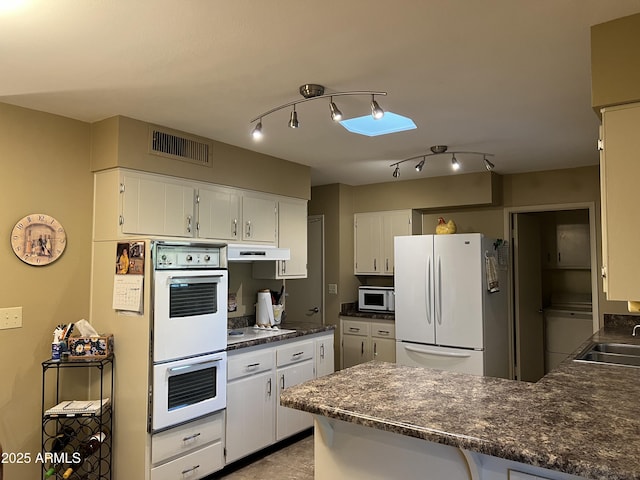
(305, 296)
(529, 325)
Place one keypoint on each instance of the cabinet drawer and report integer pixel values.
(295, 352)
(383, 330)
(187, 437)
(197, 464)
(249, 363)
(353, 327)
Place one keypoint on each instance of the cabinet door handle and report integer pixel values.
(234, 229)
(559, 258)
(189, 223)
(282, 381)
(354, 329)
(362, 348)
(383, 332)
(375, 349)
(375, 265)
(248, 228)
(188, 470)
(269, 387)
(284, 266)
(322, 350)
(386, 264)
(191, 437)
(253, 365)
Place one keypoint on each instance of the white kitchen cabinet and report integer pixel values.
(251, 403)
(256, 376)
(259, 218)
(194, 449)
(219, 213)
(373, 239)
(619, 173)
(367, 339)
(292, 234)
(137, 203)
(324, 356)
(295, 364)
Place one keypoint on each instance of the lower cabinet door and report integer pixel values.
(384, 349)
(197, 464)
(355, 350)
(290, 421)
(251, 408)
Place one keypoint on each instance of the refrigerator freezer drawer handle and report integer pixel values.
(437, 353)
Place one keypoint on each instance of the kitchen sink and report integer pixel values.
(623, 354)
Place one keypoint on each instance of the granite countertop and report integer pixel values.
(285, 331)
(581, 418)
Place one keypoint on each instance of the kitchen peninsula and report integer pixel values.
(381, 420)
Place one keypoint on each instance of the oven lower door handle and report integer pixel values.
(182, 280)
(195, 366)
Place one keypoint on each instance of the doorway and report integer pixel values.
(305, 296)
(553, 260)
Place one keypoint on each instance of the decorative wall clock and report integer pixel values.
(38, 239)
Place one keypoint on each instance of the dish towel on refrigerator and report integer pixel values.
(491, 269)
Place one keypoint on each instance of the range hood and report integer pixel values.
(256, 253)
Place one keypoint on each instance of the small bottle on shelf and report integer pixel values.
(62, 439)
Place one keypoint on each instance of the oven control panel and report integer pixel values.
(189, 256)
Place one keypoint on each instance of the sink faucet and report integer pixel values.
(634, 329)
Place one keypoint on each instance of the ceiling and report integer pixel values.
(511, 78)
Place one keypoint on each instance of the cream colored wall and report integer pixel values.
(124, 142)
(45, 169)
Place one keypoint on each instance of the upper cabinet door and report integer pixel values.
(259, 219)
(154, 206)
(368, 243)
(620, 170)
(219, 213)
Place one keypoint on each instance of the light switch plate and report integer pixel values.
(333, 288)
(10, 317)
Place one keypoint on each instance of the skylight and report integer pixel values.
(367, 125)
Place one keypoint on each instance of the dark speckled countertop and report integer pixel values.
(581, 418)
(294, 330)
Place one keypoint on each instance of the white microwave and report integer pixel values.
(376, 299)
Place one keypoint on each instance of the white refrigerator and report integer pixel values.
(446, 317)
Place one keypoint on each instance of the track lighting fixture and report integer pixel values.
(336, 114)
(454, 162)
(312, 91)
(376, 111)
(488, 165)
(442, 150)
(256, 133)
(293, 121)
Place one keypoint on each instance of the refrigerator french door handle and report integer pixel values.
(428, 292)
(438, 295)
(437, 353)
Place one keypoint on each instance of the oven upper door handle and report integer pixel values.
(192, 367)
(203, 279)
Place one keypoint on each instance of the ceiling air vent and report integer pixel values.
(180, 147)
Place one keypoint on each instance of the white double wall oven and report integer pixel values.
(189, 332)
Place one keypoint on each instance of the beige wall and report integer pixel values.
(45, 169)
(124, 142)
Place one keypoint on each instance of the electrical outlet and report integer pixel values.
(10, 317)
(333, 288)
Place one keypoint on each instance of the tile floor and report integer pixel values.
(294, 461)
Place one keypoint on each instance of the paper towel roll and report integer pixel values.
(264, 309)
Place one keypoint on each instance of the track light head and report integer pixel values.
(256, 133)
(293, 121)
(396, 172)
(420, 165)
(336, 114)
(376, 112)
(454, 162)
(488, 165)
